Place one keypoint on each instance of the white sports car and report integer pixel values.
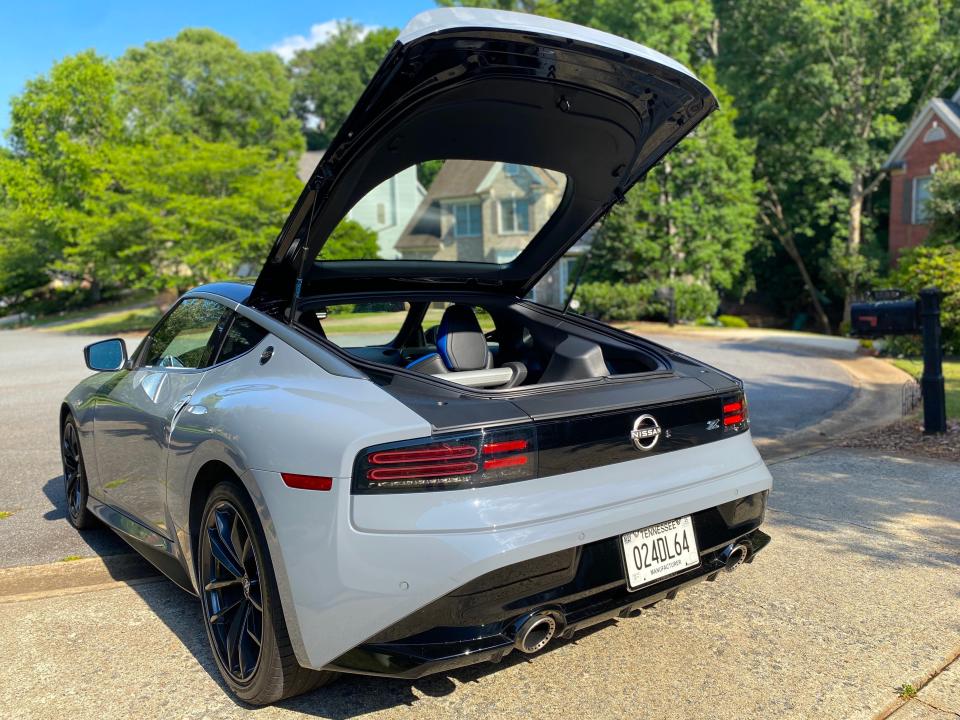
(398, 462)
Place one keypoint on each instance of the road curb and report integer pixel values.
(31, 582)
(877, 401)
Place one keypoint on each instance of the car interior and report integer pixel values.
(493, 345)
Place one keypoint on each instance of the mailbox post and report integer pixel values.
(931, 383)
(891, 314)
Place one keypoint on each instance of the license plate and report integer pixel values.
(659, 551)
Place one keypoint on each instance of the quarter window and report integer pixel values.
(242, 336)
(467, 220)
(514, 216)
(185, 338)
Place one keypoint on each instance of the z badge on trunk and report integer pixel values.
(658, 551)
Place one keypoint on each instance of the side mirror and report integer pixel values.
(106, 355)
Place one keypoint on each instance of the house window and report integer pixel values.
(381, 213)
(935, 133)
(467, 220)
(511, 169)
(514, 216)
(921, 198)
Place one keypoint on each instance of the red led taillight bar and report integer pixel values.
(484, 457)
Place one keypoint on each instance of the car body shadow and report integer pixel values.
(349, 695)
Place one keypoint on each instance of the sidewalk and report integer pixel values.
(856, 596)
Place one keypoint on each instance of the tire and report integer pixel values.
(241, 604)
(75, 477)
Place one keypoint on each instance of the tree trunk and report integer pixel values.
(822, 320)
(776, 222)
(854, 234)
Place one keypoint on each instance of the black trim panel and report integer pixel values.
(585, 585)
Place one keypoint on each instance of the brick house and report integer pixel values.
(934, 132)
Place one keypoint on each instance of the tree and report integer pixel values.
(180, 211)
(329, 78)
(828, 85)
(60, 125)
(694, 217)
(944, 203)
(201, 83)
(350, 241)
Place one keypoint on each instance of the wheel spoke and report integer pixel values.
(218, 616)
(223, 555)
(219, 584)
(233, 637)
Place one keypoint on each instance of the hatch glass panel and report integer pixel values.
(449, 210)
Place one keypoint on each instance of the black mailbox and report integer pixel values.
(885, 315)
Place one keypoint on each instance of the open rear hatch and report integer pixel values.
(487, 85)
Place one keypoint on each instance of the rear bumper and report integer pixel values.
(582, 586)
(349, 568)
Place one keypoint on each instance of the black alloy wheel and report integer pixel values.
(232, 593)
(74, 477)
(241, 603)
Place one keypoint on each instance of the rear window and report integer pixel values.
(449, 210)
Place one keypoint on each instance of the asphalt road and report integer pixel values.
(786, 390)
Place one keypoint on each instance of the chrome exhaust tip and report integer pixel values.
(733, 556)
(536, 631)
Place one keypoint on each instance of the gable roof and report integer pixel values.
(947, 111)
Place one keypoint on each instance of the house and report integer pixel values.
(484, 211)
(935, 131)
(387, 209)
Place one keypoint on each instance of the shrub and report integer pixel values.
(732, 321)
(639, 301)
(940, 267)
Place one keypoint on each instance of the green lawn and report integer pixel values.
(951, 373)
(109, 323)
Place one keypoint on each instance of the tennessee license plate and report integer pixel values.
(659, 551)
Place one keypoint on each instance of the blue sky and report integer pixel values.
(35, 33)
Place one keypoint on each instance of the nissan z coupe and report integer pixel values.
(402, 463)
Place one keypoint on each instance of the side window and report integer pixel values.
(242, 336)
(185, 337)
(365, 324)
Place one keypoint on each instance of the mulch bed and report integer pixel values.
(906, 436)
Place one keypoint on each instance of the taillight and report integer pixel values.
(735, 416)
(449, 462)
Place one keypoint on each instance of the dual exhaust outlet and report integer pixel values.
(536, 630)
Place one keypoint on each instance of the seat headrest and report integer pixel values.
(460, 340)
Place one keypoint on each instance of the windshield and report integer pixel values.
(449, 210)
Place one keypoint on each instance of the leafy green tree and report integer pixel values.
(60, 125)
(329, 78)
(180, 211)
(828, 85)
(201, 83)
(693, 218)
(350, 241)
(944, 203)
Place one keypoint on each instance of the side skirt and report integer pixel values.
(160, 551)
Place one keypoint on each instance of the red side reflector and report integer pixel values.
(734, 407)
(512, 461)
(307, 482)
(505, 446)
(733, 419)
(447, 452)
